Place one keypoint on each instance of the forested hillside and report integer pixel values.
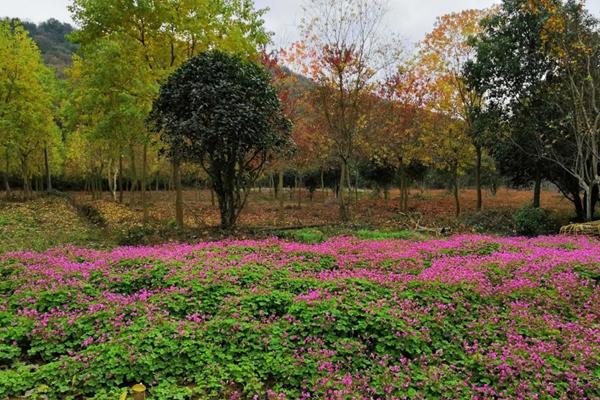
(51, 36)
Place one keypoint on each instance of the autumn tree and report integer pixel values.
(342, 52)
(221, 112)
(294, 91)
(109, 100)
(443, 55)
(393, 137)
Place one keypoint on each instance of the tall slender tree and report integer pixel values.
(343, 51)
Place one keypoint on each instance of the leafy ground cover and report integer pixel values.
(43, 223)
(474, 317)
(432, 208)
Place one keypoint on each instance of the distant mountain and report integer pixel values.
(51, 38)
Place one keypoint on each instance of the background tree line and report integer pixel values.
(506, 94)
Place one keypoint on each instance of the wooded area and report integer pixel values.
(191, 213)
(489, 97)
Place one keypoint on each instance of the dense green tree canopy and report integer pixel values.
(222, 112)
(536, 81)
(27, 89)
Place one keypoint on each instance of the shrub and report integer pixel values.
(305, 235)
(134, 235)
(491, 220)
(530, 221)
(221, 110)
(380, 235)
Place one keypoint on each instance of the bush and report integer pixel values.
(530, 221)
(380, 235)
(134, 235)
(305, 235)
(491, 220)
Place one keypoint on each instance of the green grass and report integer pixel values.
(312, 235)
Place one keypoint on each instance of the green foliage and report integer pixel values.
(530, 221)
(271, 318)
(221, 112)
(382, 235)
(29, 92)
(134, 235)
(498, 221)
(527, 58)
(305, 235)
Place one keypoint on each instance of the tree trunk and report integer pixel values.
(322, 183)
(348, 181)
(537, 192)
(25, 174)
(120, 178)
(479, 205)
(212, 196)
(588, 205)
(47, 166)
(229, 198)
(143, 183)
(403, 190)
(579, 208)
(344, 213)
(6, 172)
(456, 194)
(133, 175)
(595, 194)
(178, 195)
(114, 182)
(280, 191)
(227, 209)
(356, 186)
(298, 189)
(92, 186)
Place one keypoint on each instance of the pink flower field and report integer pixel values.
(469, 317)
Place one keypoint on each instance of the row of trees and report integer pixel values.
(512, 87)
(28, 103)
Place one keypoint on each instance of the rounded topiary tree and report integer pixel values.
(220, 111)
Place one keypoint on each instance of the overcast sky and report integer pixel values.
(410, 19)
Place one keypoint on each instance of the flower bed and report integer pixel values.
(472, 317)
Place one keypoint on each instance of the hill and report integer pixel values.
(51, 37)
